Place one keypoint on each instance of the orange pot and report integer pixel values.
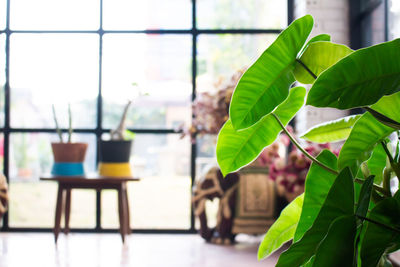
(69, 152)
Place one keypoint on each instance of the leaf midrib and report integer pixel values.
(265, 89)
(364, 81)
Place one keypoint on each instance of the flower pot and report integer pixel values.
(68, 158)
(114, 158)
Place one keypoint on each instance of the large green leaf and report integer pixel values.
(365, 197)
(337, 249)
(339, 202)
(367, 132)
(317, 38)
(318, 57)
(266, 83)
(331, 131)
(376, 163)
(282, 230)
(238, 148)
(359, 79)
(318, 183)
(377, 238)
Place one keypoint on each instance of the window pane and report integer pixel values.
(161, 67)
(2, 76)
(162, 198)
(220, 56)
(149, 14)
(394, 19)
(3, 14)
(242, 14)
(57, 69)
(63, 14)
(32, 202)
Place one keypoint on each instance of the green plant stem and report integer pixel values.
(306, 68)
(69, 123)
(383, 119)
(56, 122)
(386, 179)
(379, 223)
(308, 155)
(357, 180)
(393, 164)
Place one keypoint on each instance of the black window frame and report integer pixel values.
(7, 130)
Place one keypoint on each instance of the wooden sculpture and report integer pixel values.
(248, 203)
(3, 195)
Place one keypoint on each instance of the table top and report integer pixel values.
(87, 179)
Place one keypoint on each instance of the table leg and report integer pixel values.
(122, 221)
(59, 207)
(67, 211)
(127, 215)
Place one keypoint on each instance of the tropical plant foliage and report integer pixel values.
(348, 215)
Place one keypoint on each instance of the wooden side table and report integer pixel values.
(67, 183)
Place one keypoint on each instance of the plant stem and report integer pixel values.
(306, 68)
(56, 122)
(393, 164)
(69, 123)
(308, 155)
(379, 223)
(357, 180)
(383, 119)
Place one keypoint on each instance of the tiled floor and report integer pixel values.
(37, 249)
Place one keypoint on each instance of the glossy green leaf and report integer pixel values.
(359, 79)
(376, 163)
(377, 238)
(331, 131)
(383, 119)
(367, 132)
(365, 196)
(339, 202)
(238, 148)
(282, 230)
(317, 185)
(317, 38)
(318, 57)
(266, 83)
(337, 249)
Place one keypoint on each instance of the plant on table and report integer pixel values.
(348, 215)
(115, 153)
(68, 156)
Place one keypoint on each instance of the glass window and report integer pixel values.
(57, 69)
(241, 14)
(220, 56)
(3, 14)
(32, 202)
(156, 66)
(394, 19)
(54, 15)
(162, 198)
(68, 51)
(147, 15)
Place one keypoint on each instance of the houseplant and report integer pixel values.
(115, 153)
(348, 215)
(68, 156)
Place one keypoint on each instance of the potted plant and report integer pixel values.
(68, 156)
(115, 153)
(349, 215)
